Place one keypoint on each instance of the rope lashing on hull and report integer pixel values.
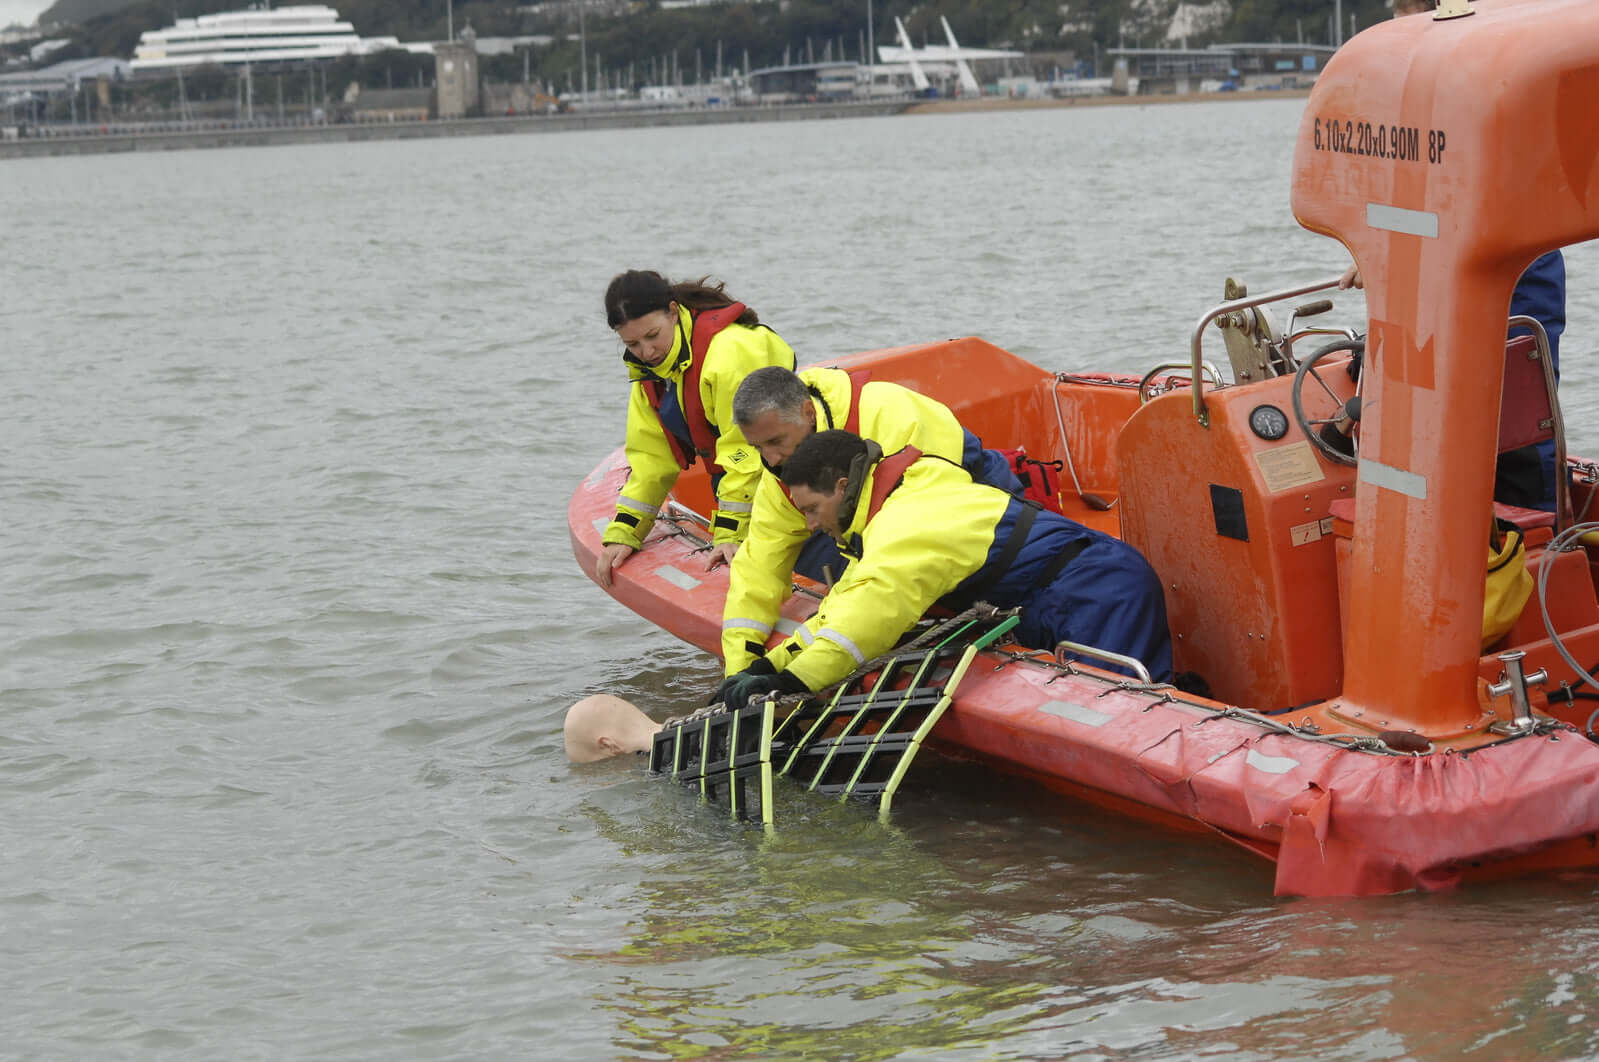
(1163, 693)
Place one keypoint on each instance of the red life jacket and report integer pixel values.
(1040, 479)
(890, 473)
(857, 383)
(707, 323)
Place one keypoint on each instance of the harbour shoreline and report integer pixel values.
(1002, 103)
(113, 142)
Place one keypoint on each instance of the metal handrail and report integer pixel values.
(1314, 330)
(1144, 394)
(1247, 303)
(1133, 664)
(676, 510)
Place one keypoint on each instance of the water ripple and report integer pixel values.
(289, 623)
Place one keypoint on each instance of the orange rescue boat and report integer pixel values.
(1357, 733)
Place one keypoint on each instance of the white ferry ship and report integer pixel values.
(259, 35)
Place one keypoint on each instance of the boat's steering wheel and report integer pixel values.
(1336, 436)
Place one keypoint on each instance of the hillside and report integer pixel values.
(77, 12)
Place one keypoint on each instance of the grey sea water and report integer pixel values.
(289, 619)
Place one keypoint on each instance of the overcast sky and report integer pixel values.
(23, 11)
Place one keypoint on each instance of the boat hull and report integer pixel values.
(1340, 814)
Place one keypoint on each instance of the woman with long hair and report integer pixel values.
(687, 347)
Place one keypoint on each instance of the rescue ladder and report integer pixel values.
(856, 741)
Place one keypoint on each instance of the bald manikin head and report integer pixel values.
(603, 726)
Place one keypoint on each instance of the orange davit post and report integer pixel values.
(1446, 152)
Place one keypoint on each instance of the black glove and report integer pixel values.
(746, 686)
(760, 666)
(756, 688)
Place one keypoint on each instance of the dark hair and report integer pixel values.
(767, 389)
(822, 459)
(641, 291)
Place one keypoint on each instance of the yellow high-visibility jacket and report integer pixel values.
(734, 353)
(933, 531)
(892, 416)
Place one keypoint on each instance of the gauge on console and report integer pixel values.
(1268, 422)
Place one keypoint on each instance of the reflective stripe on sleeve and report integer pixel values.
(803, 635)
(632, 503)
(842, 642)
(746, 625)
(734, 507)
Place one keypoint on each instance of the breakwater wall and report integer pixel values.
(95, 142)
(114, 141)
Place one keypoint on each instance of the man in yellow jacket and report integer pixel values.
(776, 410)
(688, 347)
(918, 531)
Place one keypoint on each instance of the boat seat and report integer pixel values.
(1529, 413)
(1526, 519)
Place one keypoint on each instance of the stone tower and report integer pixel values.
(455, 74)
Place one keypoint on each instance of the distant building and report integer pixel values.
(510, 45)
(803, 82)
(456, 75)
(1300, 63)
(234, 38)
(63, 77)
(667, 5)
(42, 50)
(1158, 71)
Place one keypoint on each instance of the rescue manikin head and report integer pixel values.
(773, 410)
(603, 726)
(825, 476)
(641, 308)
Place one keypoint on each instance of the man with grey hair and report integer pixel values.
(776, 410)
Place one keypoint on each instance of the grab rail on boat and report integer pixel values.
(1132, 663)
(678, 511)
(1146, 394)
(1197, 358)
